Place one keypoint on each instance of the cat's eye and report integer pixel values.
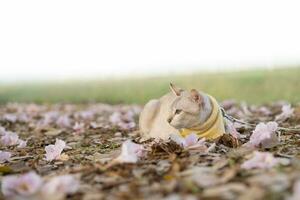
(177, 111)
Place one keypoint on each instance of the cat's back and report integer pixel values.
(155, 113)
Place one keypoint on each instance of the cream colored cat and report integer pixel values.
(176, 111)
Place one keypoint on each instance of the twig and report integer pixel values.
(232, 119)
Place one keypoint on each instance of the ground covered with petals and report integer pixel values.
(93, 151)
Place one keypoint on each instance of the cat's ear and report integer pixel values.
(196, 96)
(176, 90)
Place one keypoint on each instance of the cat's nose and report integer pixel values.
(169, 120)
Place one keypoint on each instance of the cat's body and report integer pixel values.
(153, 118)
(174, 111)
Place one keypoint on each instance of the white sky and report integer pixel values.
(79, 39)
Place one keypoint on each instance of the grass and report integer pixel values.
(255, 86)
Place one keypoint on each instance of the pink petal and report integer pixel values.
(78, 128)
(86, 114)
(264, 135)
(124, 120)
(53, 152)
(4, 156)
(296, 191)
(199, 146)
(131, 152)
(265, 111)
(49, 117)
(190, 139)
(60, 185)
(115, 118)
(9, 139)
(287, 112)
(96, 125)
(2, 130)
(261, 160)
(10, 117)
(24, 185)
(9, 183)
(60, 144)
(63, 122)
(22, 144)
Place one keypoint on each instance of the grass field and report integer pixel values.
(256, 86)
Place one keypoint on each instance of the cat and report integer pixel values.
(176, 111)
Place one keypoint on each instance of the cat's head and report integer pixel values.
(186, 108)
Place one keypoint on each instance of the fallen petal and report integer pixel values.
(286, 112)
(53, 152)
(24, 185)
(22, 144)
(131, 152)
(9, 139)
(260, 160)
(264, 135)
(60, 186)
(4, 156)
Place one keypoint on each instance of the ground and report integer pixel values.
(167, 171)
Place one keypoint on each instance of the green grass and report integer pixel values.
(256, 86)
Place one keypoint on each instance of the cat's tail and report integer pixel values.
(147, 117)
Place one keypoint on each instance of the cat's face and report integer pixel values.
(186, 109)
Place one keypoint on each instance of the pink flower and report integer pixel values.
(49, 117)
(23, 118)
(264, 135)
(296, 191)
(191, 141)
(22, 144)
(261, 160)
(96, 125)
(264, 110)
(126, 126)
(63, 121)
(115, 118)
(10, 117)
(31, 186)
(78, 128)
(58, 187)
(53, 152)
(86, 114)
(286, 113)
(124, 120)
(2, 130)
(24, 185)
(4, 156)
(9, 139)
(131, 152)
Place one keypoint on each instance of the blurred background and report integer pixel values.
(128, 51)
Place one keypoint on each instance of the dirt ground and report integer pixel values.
(167, 172)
